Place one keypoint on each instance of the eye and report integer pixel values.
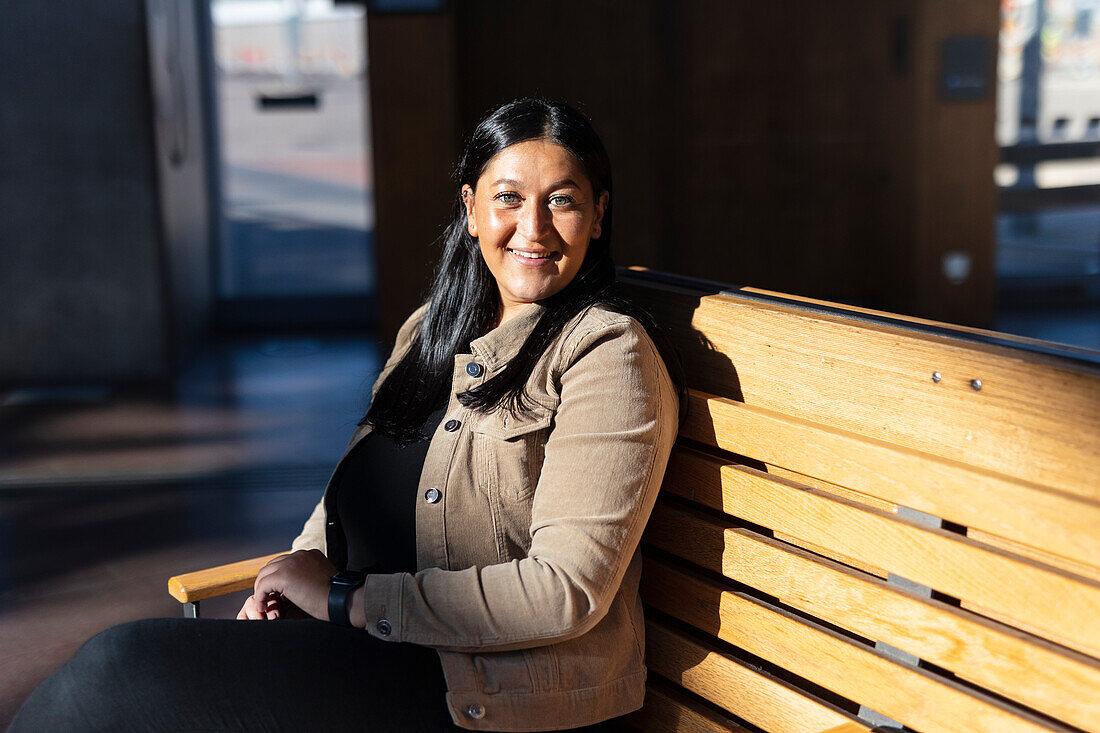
(507, 197)
(561, 199)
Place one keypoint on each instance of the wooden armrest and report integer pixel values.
(850, 728)
(192, 587)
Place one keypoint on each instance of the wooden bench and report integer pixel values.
(869, 520)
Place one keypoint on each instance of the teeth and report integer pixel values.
(530, 255)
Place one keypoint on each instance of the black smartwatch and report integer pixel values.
(341, 586)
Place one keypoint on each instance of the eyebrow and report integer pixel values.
(555, 184)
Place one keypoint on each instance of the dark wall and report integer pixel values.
(794, 146)
(80, 294)
(415, 141)
(615, 61)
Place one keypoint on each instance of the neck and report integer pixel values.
(508, 311)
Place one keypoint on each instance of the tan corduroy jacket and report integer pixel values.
(527, 549)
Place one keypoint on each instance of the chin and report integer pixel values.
(533, 296)
(532, 293)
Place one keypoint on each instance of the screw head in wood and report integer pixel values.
(976, 384)
(936, 376)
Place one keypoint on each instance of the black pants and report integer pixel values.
(223, 675)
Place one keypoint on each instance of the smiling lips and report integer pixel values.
(530, 258)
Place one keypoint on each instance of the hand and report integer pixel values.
(300, 579)
(272, 608)
(267, 609)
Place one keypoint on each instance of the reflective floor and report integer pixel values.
(105, 495)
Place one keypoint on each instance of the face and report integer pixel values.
(533, 214)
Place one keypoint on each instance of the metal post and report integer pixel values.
(191, 610)
(1031, 83)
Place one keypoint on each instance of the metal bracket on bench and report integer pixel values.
(875, 718)
(191, 610)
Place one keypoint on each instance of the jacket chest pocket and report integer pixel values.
(510, 451)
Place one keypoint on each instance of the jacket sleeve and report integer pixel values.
(604, 462)
(312, 536)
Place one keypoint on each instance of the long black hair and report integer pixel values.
(464, 302)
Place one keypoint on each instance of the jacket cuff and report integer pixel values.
(382, 606)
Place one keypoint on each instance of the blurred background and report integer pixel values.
(215, 213)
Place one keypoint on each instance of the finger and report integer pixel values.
(271, 567)
(255, 611)
(267, 580)
(248, 610)
(268, 584)
(271, 608)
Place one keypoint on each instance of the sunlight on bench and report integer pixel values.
(869, 520)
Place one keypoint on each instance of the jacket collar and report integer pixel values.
(500, 345)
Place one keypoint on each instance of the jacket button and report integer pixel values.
(433, 495)
(451, 425)
(473, 369)
(475, 710)
(383, 627)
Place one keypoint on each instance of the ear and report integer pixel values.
(471, 217)
(601, 207)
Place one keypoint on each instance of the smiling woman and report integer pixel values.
(474, 560)
(533, 220)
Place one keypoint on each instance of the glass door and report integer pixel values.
(1048, 127)
(296, 210)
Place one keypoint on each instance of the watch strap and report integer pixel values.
(341, 586)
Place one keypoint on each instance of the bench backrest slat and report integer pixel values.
(824, 657)
(669, 711)
(876, 381)
(718, 677)
(833, 514)
(1059, 682)
(1030, 514)
(937, 558)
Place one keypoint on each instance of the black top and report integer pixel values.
(375, 500)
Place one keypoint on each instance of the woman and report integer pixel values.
(517, 438)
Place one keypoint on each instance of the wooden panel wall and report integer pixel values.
(955, 198)
(612, 60)
(794, 146)
(413, 93)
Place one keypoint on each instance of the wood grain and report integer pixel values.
(217, 581)
(666, 711)
(1054, 521)
(846, 728)
(911, 695)
(832, 488)
(1064, 605)
(1080, 568)
(1036, 418)
(1043, 676)
(836, 490)
(751, 695)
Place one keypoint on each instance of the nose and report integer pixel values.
(534, 220)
